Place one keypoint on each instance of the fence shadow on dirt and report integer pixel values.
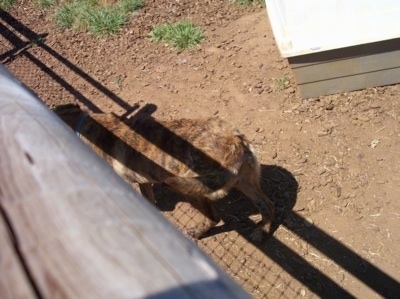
(230, 244)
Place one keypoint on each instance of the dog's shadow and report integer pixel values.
(236, 210)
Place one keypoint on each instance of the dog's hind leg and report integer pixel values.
(210, 219)
(252, 190)
(196, 191)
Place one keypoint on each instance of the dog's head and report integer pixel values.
(69, 113)
(67, 108)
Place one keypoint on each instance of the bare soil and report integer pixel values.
(331, 164)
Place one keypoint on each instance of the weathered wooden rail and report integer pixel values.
(71, 228)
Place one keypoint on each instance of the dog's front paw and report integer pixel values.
(194, 233)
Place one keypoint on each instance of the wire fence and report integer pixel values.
(241, 260)
(254, 265)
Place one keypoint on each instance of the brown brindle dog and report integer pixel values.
(200, 158)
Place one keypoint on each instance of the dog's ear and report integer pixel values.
(66, 107)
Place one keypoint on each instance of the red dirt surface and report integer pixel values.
(331, 163)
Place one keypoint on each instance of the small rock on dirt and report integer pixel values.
(308, 222)
(338, 191)
(303, 292)
(329, 107)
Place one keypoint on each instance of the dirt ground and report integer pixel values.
(331, 164)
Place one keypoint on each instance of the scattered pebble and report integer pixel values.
(302, 292)
(298, 172)
(329, 107)
(363, 118)
(375, 105)
(338, 191)
(374, 143)
(325, 132)
(303, 160)
(296, 106)
(259, 130)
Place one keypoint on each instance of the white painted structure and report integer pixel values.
(309, 26)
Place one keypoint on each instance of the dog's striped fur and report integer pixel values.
(200, 158)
